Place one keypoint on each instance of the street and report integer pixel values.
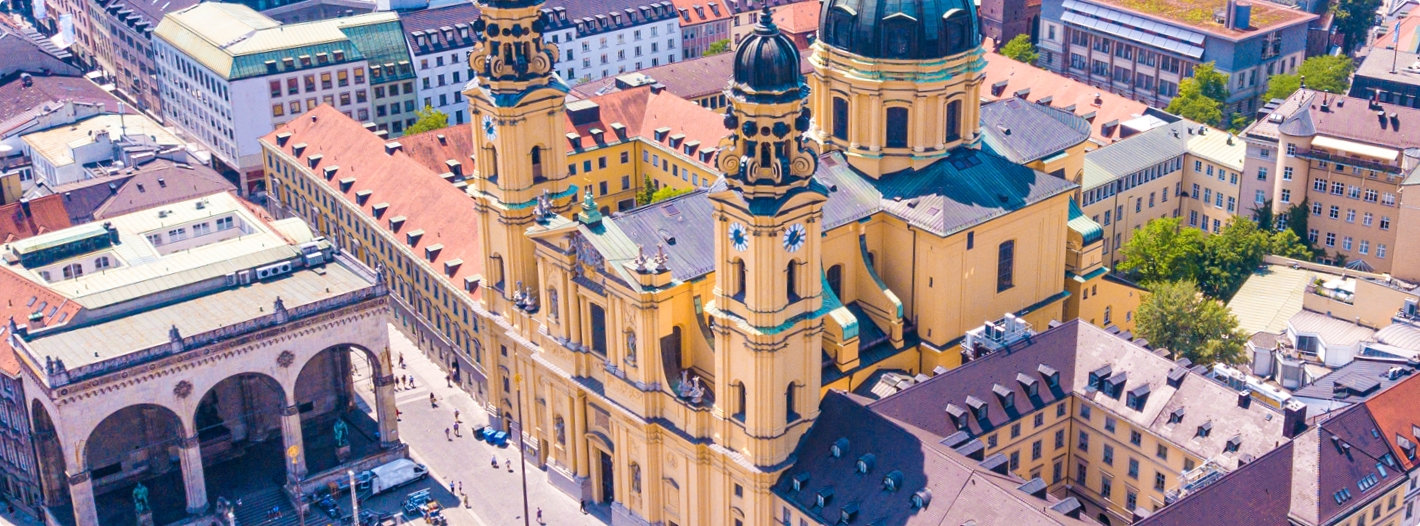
(494, 496)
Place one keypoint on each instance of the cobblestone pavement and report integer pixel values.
(494, 496)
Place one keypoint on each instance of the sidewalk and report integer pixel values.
(494, 495)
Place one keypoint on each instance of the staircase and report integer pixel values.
(254, 507)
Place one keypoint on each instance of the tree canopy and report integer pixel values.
(1020, 49)
(647, 192)
(1163, 251)
(717, 47)
(1175, 316)
(667, 192)
(1354, 19)
(428, 119)
(1329, 73)
(1200, 97)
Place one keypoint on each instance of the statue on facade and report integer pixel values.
(342, 434)
(140, 500)
(631, 347)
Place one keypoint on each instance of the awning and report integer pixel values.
(1356, 148)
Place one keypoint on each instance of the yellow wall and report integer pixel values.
(1133, 205)
(1213, 181)
(9, 188)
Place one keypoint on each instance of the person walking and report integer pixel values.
(539, 516)
(456, 415)
(456, 430)
(510, 465)
(584, 506)
(495, 461)
(446, 435)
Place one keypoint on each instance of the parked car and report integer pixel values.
(395, 474)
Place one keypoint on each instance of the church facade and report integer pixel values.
(666, 359)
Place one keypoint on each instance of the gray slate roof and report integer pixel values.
(967, 188)
(681, 224)
(1025, 132)
(1137, 153)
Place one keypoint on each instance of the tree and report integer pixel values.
(1163, 251)
(1200, 97)
(1329, 73)
(717, 47)
(1264, 216)
(428, 119)
(1020, 49)
(667, 192)
(1231, 255)
(1175, 316)
(1354, 19)
(1296, 220)
(647, 192)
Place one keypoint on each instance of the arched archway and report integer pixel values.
(333, 390)
(50, 456)
(139, 444)
(238, 427)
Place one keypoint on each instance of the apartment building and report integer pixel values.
(1347, 161)
(744, 14)
(125, 49)
(702, 22)
(439, 41)
(230, 75)
(1178, 169)
(1082, 413)
(66, 154)
(1142, 50)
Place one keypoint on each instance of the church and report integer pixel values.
(843, 228)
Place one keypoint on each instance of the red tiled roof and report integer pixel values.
(46, 213)
(1063, 92)
(798, 18)
(398, 181)
(693, 12)
(20, 297)
(1395, 414)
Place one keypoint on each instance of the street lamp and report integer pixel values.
(522, 451)
(354, 501)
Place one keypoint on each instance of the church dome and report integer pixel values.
(767, 60)
(900, 29)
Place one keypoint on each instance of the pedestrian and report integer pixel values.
(446, 435)
(432, 402)
(451, 487)
(449, 380)
(456, 415)
(401, 360)
(398, 415)
(584, 506)
(539, 516)
(495, 461)
(510, 465)
(456, 430)
(460, 487)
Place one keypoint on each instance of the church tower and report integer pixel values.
(768, 221)
(896, 83)
(518, 112)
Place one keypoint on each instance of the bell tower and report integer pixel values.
(768, 222)
(518, 112)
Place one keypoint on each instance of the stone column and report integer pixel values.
(193, 478)
(81, 490)
(578, 435)
(295, 443)
(385, 410)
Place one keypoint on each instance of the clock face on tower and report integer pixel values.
(738, 237)
(490, 128)
(794, 237)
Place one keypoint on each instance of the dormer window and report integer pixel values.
(1233, 444)
(893, 480)
(957, 414)
(1098, 376)
(1028, 383)
(979, 409)
(1114, 385)
(1051, 376)
(1176, 416)
(1138, 396)
(800, 481)
(839, 448)
(921, 499)
(824, 496)
(865, 463)
(1007, 396)
(848, 513)
(1205, 429)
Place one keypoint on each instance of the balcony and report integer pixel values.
(1322, 155)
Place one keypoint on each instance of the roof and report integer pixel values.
(1354, 382)
(57, 144)
(1400, 334)
(1199, 15)
(1089, 230)
(1271, 297)
(679, 225)
(1347, 118)
(442, 28)
(144, 15)
(1025, 132)
(688, 79)
(1074, 350)
(696, 12)
(398, 185)
(961, 490)
(1333, 331)
(1256, 493)
(1221, 147)
(1141, 151)
(1006, 78)
(156, 182)
(1394, 412)
(45, 214)
(1345, 450)
(24, 298)
(27, 50)
(966, 188)
(235, 42)
(20, 104)
(1379, 61)
(799, 17)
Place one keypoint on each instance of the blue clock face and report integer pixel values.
(739, 238)
(490, 128)
(794, 237)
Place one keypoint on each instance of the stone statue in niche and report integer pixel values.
(560, 430)
(552, 304)
(631, 348)
(635, 477)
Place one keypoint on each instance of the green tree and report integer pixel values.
(1020, 49)
(1329, 73)
(667, 192)
(1296, 219)
(1264, 216)
(1163, 251)
(1286, 244)
(1175, 316)
(1231, 255)
(1200, 97)
(717, 47)
(1354, 19)
(428, 119)
(647, 192)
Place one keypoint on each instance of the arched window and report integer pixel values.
(491, 171)
(840, 118)
(737, 283)
(102, 262)
(835, 280)
(497, 271)
(953, 121)
(536, 163)
(1107, 316)
(956, 31)
(791, 412)
(765, 155)
(740, 403)
(791, 280)
(840, 27)
(73, 270)
(896, 128)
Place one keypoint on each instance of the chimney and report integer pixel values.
(25, 207)
(1245, 398)
(392, 146)
(1294, 419)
